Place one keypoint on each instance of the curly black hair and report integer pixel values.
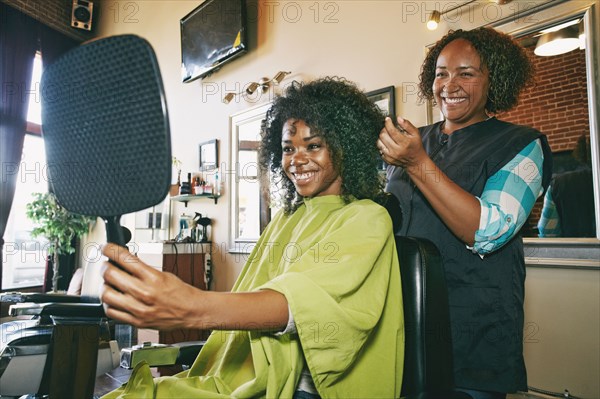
(510, 67)
(349, 124)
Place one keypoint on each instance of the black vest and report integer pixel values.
(485, 295)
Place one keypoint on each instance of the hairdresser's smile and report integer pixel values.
(453, 100)
(307, 162)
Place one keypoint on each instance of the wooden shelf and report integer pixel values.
(185, 198)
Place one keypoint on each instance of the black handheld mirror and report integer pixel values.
(106, 130)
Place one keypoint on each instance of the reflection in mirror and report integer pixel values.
(558, 106)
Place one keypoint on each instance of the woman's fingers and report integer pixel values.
(121, 256)
(391, 141)
(129, 307)
(124, 317)
(132, 283)
(125, 282)
(128, 262)
(407, 127)
(119, 306)
(115, 298)
(393, 134)
(135, 293)
(397, 133)
(399, 144)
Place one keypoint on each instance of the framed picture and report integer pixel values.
(209, 155)
(385, 99)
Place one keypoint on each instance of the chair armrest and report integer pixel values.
(23, 297)
(183, 353)
(153, 354)
(77, 310)
(188, 351)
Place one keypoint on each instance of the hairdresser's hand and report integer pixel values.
(138, 294)
(401, 145)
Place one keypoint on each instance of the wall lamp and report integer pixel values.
(435, 16)
(262, 85)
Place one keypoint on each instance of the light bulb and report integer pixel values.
(228, 97)
(434, 20)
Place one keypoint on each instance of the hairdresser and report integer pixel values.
(468, 183)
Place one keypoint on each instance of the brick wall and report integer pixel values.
(56, 14)
(557, 105)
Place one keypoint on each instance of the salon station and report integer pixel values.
(191, 201)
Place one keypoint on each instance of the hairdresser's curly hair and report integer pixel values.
(349, 124)
(510, 67)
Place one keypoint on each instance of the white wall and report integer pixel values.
(376, 44)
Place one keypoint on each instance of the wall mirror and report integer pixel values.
(526, 27)
(559, 105)
(249, 210)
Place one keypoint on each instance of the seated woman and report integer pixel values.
(317, 309)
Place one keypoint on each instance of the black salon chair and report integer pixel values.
(427, 350)
(428, 370)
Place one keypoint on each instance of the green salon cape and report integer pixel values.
(337, 266)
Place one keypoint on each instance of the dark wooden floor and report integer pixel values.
(111, 381)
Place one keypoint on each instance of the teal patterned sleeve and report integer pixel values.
(549, 224)
(508, 198)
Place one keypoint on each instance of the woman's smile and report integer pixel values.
(304, 176)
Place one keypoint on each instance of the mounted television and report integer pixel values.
(211, 35)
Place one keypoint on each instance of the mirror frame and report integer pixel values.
(568, 252)
(236, 121)
(210, 161)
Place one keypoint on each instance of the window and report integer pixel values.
(34, 113)
(24, 258)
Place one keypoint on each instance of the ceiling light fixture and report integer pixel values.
(435, 16)
(558, 42)
(262, 85)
